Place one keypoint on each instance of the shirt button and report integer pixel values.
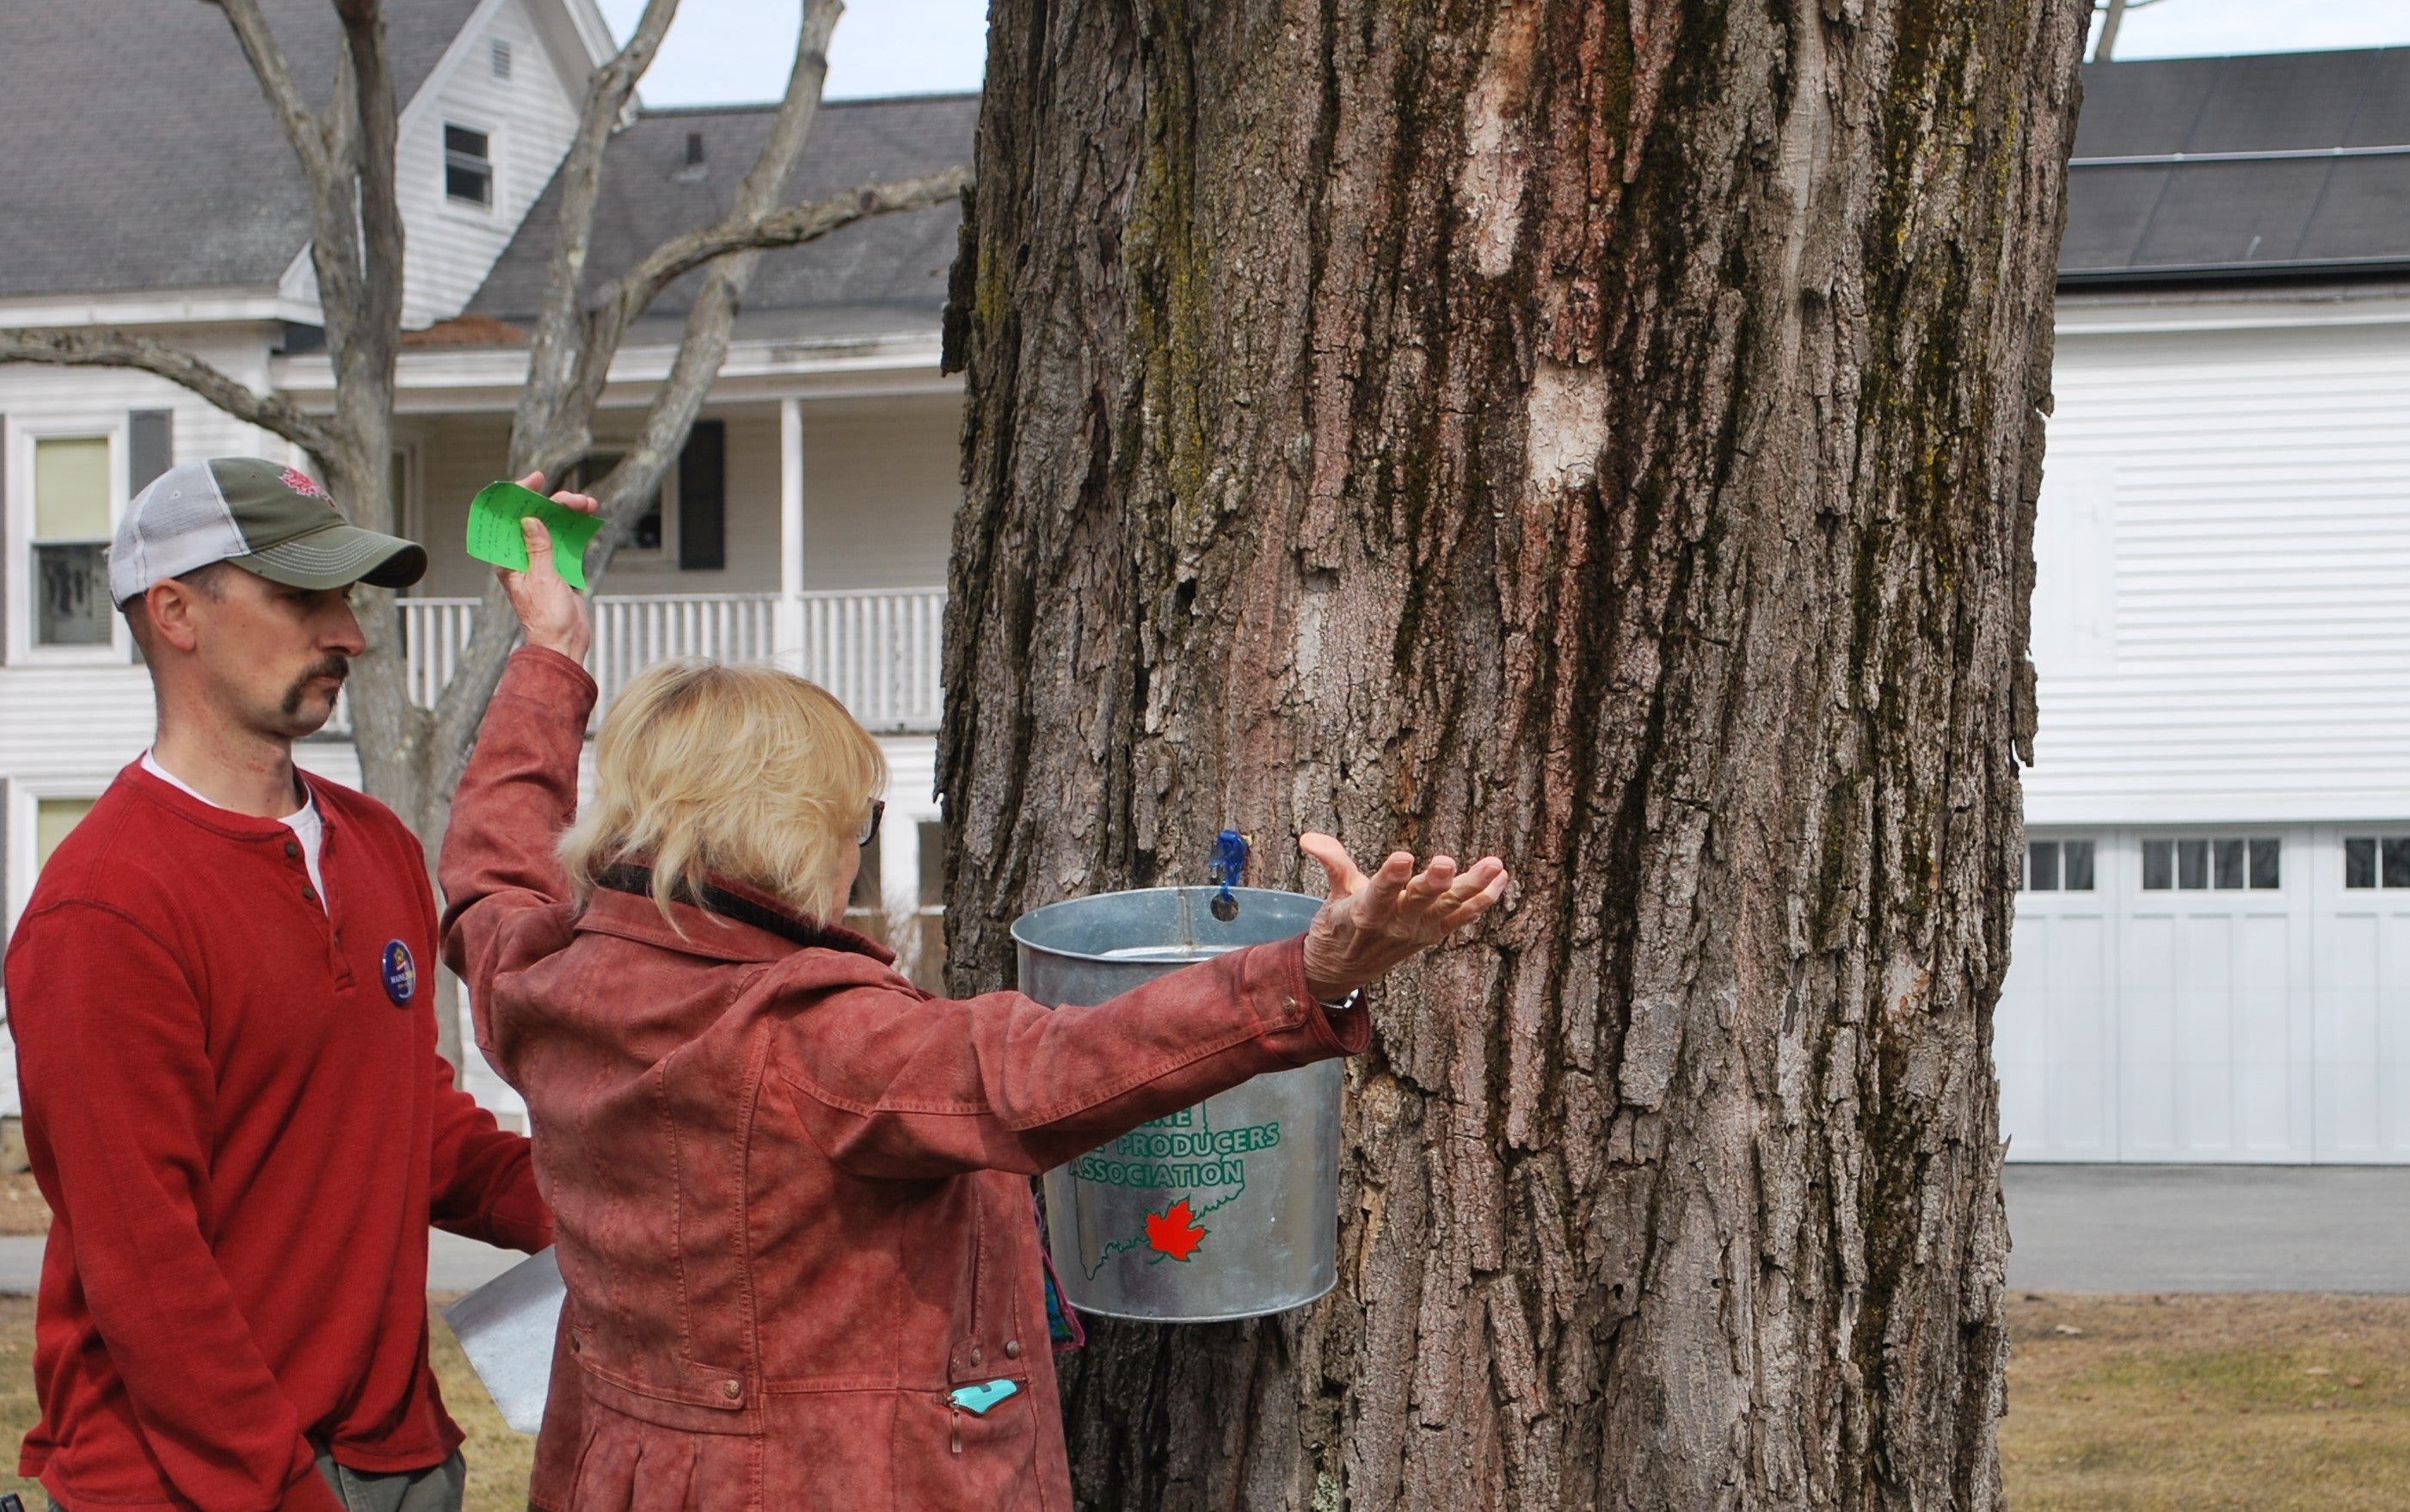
(310, 893)
(577, 1345)
(976, 1357)
(292, 848)
(732, 1389)
(1012, 1349)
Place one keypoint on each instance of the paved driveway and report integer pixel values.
(2209, 1228)
(2075, 1228)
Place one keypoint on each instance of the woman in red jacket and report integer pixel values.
(791, 1190)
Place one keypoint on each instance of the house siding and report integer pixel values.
(2223, 565)
(2223, 548)
(882, 480)
(881, 483)
(532, 117)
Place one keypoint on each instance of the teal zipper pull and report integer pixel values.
(976, 1400)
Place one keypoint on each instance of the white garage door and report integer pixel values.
(2237, 994)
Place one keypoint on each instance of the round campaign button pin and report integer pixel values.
(401, 972)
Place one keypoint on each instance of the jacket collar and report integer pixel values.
(727, 921)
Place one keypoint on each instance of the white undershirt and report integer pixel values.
(304, 822)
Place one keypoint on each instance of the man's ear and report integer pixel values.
(173, 606)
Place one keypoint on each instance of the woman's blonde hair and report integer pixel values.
(746, 773)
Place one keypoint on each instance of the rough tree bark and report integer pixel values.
(1604, 433)
(411, 758)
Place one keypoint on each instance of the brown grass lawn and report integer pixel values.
(2190, 1404)
(2269, 1404)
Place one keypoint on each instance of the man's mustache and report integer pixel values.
(337, 667)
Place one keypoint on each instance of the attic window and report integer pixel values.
(468, 166)
(501, 55)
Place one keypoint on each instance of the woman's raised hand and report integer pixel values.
(1372, 923)
(551, 613)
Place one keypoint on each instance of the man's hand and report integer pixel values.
(551, 613)
(1372, 923)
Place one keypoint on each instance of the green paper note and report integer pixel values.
(494, 533)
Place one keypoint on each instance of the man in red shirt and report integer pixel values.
(222, 997)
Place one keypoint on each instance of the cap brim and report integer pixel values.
(338, 556)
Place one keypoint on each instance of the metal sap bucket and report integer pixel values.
(1246, 1183)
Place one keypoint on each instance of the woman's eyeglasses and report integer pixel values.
(870, 826)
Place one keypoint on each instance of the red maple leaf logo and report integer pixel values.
(1175, 1231)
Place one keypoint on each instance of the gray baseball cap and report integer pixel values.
(263, 517)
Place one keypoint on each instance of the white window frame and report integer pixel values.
(22, 435)
(466, 208)
(410, 509)
(24, 798)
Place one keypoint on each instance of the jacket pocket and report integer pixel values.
(948, 1458)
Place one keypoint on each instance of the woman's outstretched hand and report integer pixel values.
(1372, 923)
(551, 613)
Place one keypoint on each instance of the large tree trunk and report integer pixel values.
(1606, 434)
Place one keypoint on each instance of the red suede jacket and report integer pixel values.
(790, 1189)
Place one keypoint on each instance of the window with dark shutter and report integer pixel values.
(702, 499)
(69, 556)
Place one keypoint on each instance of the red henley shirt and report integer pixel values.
(234, 1104)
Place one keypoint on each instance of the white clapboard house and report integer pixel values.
(148, 186)
(2213, 953)
(2213, 947)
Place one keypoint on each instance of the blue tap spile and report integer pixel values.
(1229, 867)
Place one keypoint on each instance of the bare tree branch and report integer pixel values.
(312, 143)
(364, 357)
(787, 228)
(546, 427)
(703, 347)
(89, 346)
(756, 194)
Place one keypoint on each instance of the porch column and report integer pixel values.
(791, 534)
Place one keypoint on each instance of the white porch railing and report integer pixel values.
(877, 651)
(633, 634)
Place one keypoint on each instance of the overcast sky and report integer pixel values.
(726, 50)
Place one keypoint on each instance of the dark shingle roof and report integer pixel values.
(2224, 170)
(877, 276)
(141, 154)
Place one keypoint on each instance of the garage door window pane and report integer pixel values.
(2229, 857)
(2397, 862)
(2264, 875)
(2077, 861)
(2158, 865)
(2360, 862)
(2192, 864)
(2042, 866)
